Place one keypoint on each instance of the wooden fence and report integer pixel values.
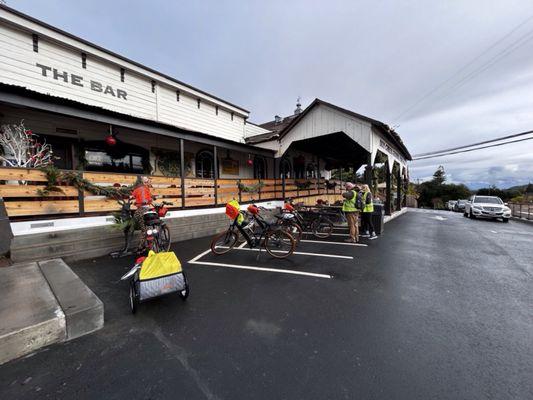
(22, 188)
(522, 210)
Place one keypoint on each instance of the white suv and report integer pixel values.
(487, 207)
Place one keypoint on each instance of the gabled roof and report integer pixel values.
(295, 119)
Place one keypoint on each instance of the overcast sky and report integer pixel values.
(377, 58)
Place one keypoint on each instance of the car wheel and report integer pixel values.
(505, 219)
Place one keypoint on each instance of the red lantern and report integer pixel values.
(110, 140)
(250, 162)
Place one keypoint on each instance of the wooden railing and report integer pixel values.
(22, 188)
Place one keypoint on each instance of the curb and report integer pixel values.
(44, 303)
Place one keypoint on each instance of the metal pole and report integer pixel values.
(182, 168)
(399, 190)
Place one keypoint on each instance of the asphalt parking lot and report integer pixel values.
(438, 307)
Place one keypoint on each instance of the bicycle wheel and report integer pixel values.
(223, 242)
(163, 238)
(295, 230)
(279, 243)
(322, 228)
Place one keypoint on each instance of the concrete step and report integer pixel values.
(30, 316)
(84, 311)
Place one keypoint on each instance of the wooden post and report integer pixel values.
(239, 186)
(81, 198)
(182, 169)
(215, 172)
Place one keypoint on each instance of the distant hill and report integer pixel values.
(520, 188)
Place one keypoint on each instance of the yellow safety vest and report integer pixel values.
(349, 204)
(367, 207)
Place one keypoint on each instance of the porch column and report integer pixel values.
(318, 174)
(399, 189)
(388, 201)
(215, 172)
(369, 172)
(182, 169)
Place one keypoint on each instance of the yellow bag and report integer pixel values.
(161, 264)
(233, 211)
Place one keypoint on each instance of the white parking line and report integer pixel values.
(342, 243)
(281, 271)
(296, 252)
(243, 244)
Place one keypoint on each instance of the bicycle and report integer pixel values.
(299, 221)
(156, 235)
(276, 241)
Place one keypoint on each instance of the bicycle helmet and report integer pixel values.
(252, 209)
(288, 207)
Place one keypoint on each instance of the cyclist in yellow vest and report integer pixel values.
(352, 213)
(367, 205)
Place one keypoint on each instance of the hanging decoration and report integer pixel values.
(250, 162)
(252, 188)
(110, 139)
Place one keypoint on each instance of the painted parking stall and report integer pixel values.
(313, 257)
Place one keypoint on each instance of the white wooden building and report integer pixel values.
(75, 93)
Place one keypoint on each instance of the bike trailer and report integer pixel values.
(159, 274)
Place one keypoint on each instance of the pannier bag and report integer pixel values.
(233, 210)
(160, 274)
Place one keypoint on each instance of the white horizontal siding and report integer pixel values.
(323, 120)
(18, 67)
(30, 26)
(252, 130)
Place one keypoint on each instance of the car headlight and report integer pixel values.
(477, 208)
(506, 210)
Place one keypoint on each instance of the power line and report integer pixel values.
(468, 150)
(463, 68)
(473, 144)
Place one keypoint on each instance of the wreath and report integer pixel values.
(252, 188)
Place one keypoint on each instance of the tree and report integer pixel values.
(439, 177)
(20, 147)
(435, 193)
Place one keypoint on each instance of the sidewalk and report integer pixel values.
(44, 303)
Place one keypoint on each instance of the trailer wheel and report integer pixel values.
(184, 293)
(133, 298)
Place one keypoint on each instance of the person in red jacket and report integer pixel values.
(143, 198)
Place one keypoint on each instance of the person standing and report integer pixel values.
(367, 209)
(349, 208)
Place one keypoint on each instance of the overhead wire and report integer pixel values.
(463, 68)
(474, 144)
(469, 150)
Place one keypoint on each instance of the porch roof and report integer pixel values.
(336, 148)
(18, 96)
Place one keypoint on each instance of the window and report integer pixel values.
(35, 43)
(123, 157)
(310, 171)
(205, 164)
(260, 167)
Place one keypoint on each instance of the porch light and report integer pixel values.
(110, 138)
